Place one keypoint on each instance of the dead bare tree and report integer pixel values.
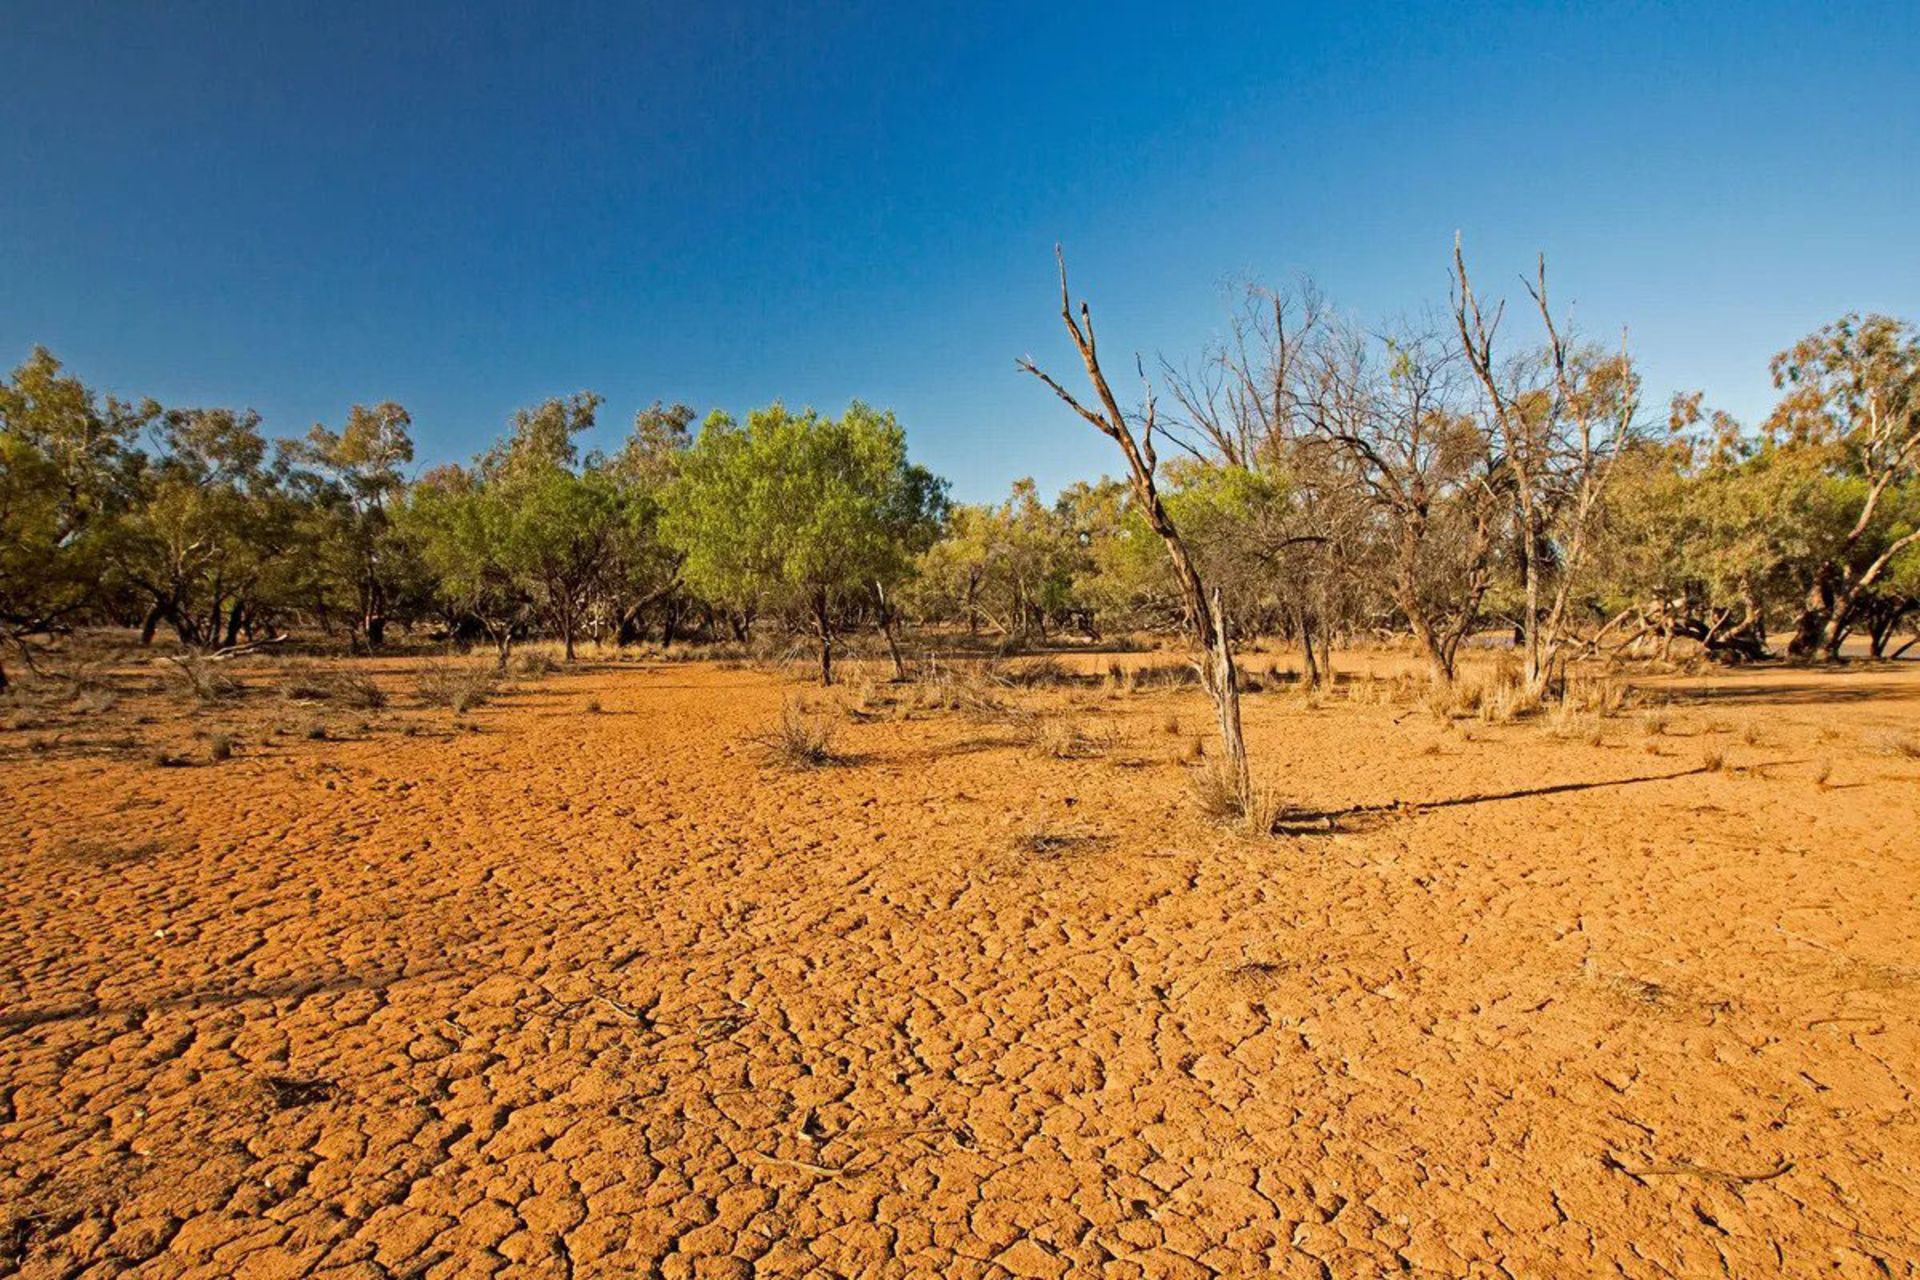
(1562, 419)
(1389, 411)
(1204, 612)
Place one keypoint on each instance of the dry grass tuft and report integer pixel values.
(220, 746)
(1903, 745)
(802, 740)
(1057, 735)
(1216, 793)
(533, 663)
(1713, 761)
(456, 685)
(204, 679)
(340, 688)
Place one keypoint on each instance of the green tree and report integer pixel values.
(66, 464)
(356, 479)
(809, 512)
(1852, 400)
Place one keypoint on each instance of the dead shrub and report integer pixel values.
(339, 688)
(205, 680)
(802, 740)
(1713, 761)
(458, 686)
(220, 746)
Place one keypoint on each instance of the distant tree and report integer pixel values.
(355, 481)
(1852, 399)
(454, 524)
(809, 512)
(645, 570)
(208, 526)
(66, 468)
(1562, 416)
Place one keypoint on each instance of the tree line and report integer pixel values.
(1324, 479)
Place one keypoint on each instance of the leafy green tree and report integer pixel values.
(645, 571)
(208, 526)
(1852, 400)
(66, 466)
(356, 479)
(809, 512)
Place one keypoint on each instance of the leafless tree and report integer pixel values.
(1562, 416)
(1204, 613)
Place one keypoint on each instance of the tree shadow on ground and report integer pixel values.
(1366, 817)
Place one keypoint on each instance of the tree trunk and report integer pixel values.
(823, 619)
(888, 629)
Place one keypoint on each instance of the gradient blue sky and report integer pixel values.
(468, 207)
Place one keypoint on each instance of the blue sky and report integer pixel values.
(469, 207)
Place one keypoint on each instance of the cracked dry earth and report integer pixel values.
(603, 995)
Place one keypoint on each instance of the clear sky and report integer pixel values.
(467, 207)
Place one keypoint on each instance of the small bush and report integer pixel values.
(1823, 775)
(458, 686)
(220, 746)
(802, 740)
(593, 706)
(1713, 761)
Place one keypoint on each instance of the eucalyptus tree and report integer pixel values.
(355, 478)
(1852, 400)
(66, 463)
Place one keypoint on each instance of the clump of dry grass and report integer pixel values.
(349, 689)
(219, 746)
(458, 686)
(1903, 745)
(205, 680)
(1597, 695)
(1823, 774)
(1713, 761)
(1057, 735)
(802, 740)
(592, 707)
(1654, 723)
(945, 687)
(1216, 793)
(533, 663)
(1171, 724)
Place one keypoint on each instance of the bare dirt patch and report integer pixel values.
(530, 991)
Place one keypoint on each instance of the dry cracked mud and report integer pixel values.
(605, 994)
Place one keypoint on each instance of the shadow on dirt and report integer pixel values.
(1367, 817)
